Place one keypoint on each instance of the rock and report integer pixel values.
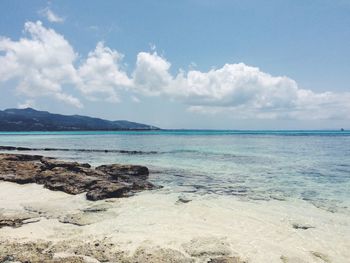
(207, 246)
(292, 259)
(159, 255)
(72, 166)
(105, 251)
(143, 185)
(22, 157)
(321, 256)
(119, 171)
(227, 260)
(89, 215)
(302, 226)
(19, 169)
(69, 259)
(81, 219)
(103, 190)
(59, 179)
(106, 181)
(97, 208)
(183, 200)
(17, 219)
(25, 252)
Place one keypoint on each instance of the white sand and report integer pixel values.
(256, 231)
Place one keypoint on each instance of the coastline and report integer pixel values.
(164, 226)
(154, 226)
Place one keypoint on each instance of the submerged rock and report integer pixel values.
(183, 200)
(103, 190)
(285, 259)
(17, 219)
(106, 181)
(321, 256)
(302, 226)
(126, 172)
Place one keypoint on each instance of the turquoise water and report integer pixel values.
(250, 165)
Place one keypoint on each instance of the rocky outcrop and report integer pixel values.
(106, 181)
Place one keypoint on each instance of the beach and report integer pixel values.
(232, 201)
(193, 131)
(156, 227)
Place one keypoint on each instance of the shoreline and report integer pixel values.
(159, 226)
(104, 181)
(162, 226)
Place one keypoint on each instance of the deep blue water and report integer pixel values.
(251, 165)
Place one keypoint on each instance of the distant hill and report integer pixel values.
(32, 120)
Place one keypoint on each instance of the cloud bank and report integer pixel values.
(45, 64)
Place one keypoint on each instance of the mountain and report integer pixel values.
(32, 120)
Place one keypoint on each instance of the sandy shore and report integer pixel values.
(155, 226)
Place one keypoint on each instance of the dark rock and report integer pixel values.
(118, 171)
(143, 185)
(321, 256)
(71, 183)
(302, 226)
(23, 157)
(106, 181)
(183, 199)
(19, 169)
(103, 190)
(101, 207)
(72, 166)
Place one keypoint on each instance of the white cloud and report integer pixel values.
(245, 91)
(42, 63)
(151, 75)
(51, 16)
(45, 64)
(101, 75)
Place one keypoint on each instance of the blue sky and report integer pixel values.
(180, 64)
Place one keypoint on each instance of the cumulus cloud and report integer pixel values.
(42, 63)
(45, 64)
(51, 16)
(101, 74)
(151, 75)
(245, 91)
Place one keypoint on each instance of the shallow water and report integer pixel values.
(283, 165)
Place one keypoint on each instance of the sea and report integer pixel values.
(313, 166)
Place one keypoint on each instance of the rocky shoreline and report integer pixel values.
(99, 183)
(85, 220)
(105, 181)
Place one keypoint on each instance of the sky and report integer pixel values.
(202, 64)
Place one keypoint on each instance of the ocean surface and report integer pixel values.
(249, 165)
